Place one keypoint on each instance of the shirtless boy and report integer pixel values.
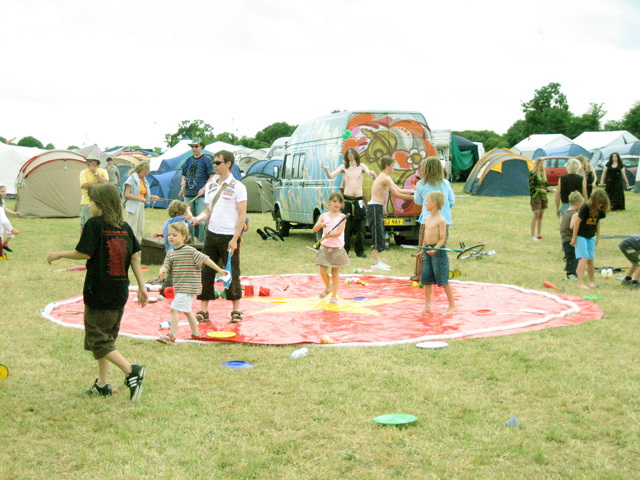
(383, 185)
(435, 267)
(354, 173)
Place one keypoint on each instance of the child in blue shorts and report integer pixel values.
(435, 267)
(586, 234)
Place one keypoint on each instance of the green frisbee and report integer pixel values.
(592, 297)
(395, 419)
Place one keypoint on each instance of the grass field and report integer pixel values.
(574, 390)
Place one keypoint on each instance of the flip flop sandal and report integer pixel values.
(273, 234)
(325, 292)
(236, 316)
(202, 317)
(262, 234)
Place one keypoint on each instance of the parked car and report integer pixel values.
(630, 162)
(554, 168)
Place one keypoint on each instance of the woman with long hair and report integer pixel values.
(613, 176)
(432, 181)
(538, 189)
(137, 194)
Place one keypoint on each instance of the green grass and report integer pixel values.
(574, 389)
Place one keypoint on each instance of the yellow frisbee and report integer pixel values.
(221, 334)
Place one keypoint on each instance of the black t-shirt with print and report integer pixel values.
(106, 285)
(589, 222)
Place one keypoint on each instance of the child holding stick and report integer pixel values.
(109, 246)
(332, 253)
(185, 264)
(435, 268)
(586, 234)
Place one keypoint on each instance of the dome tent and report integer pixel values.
(500, 173)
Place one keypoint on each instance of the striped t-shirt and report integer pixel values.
(185, 264)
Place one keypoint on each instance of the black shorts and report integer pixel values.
(376, 226)
(101, 328)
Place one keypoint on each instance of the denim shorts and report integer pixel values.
(435, 268)
(585, 247)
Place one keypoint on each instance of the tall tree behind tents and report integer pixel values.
(191, 129)
(268, 135)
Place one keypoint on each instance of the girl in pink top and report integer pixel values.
(332, 254)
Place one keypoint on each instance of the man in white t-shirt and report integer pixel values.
(226, 209)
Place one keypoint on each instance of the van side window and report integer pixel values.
(286, 167)
(297, 166)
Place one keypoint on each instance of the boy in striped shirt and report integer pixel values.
(185, 263)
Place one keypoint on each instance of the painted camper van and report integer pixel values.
(302, 187)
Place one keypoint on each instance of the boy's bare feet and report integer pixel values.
(592, 285)
(450, 310)
(582, 286)
(426, 309)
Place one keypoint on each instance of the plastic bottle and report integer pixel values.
(165, 324)
(301, 352)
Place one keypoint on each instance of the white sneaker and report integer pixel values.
(385, 265)
(380, 266)
(534, 239)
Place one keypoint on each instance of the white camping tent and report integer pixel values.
(530, 144)
(591, 140)
(178, 149)
(12, 157)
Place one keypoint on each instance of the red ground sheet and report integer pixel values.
(384, 312)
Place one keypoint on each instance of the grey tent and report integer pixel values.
(259, 192)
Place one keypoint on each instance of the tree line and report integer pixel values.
(547, 112)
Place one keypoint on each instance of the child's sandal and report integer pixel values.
(236, 316)
(325, 292)
(202, 317)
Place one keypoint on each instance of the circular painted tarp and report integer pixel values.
(385, 311)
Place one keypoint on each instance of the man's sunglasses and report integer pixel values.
(218, 162)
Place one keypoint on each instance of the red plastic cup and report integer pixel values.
(248, 290)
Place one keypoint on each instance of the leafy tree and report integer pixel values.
(335, 111)
(50, 146)
(3, 140)
(266, 136)
(157, 150)
(73, 147)
(519, 130)
(612, 125)
(631, 120)
(587, 122)
(191, 129)
(488, 138)
(548, 111)
(227, 138)
(30, 142)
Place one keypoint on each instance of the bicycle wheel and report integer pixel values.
(271, 233)
(470, 252)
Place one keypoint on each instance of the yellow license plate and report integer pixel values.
(394, 221)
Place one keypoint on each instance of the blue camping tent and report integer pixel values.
(563, 151)
(164, 185)
(500, 173)
(266, 167)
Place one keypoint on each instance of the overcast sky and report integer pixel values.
(128, 72)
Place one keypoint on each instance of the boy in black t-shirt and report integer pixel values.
(110, 247)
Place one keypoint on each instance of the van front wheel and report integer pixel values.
(282, 227)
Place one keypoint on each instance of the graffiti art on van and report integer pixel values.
(405, 140)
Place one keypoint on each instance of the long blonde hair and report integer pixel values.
(538, 169)
(140, 167)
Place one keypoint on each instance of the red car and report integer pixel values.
(554, 168)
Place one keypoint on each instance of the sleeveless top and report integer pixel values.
(571, 182)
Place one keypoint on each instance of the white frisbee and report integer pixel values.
(432, 345)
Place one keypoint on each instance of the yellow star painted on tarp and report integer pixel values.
(281, 305)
